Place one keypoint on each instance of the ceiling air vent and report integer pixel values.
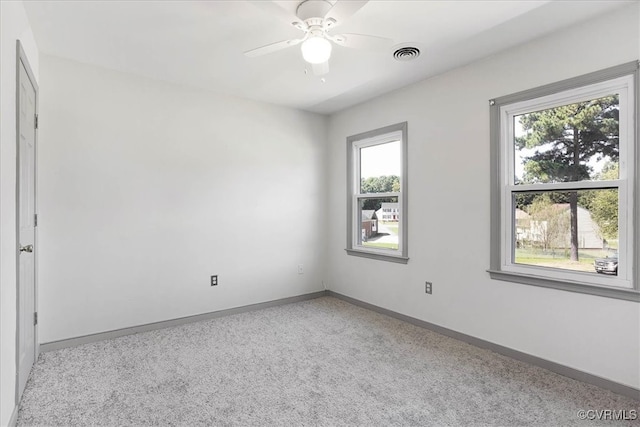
(406, 53)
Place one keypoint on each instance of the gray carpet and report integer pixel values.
(319, 362)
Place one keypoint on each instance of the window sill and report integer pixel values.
(378, 256)
(566, 285)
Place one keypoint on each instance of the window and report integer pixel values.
(565, 185)
(377, 194)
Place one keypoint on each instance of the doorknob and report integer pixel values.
(28, 248)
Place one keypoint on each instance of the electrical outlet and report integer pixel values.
(428, 287)
(214, 280)
(300, 269)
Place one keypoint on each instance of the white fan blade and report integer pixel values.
(273, 47)
(279, 12)
(343, 9)
(320, 69)
(361, 41)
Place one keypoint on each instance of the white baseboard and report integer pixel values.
(566, 371)
(101, 336)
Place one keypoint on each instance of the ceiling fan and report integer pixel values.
(316, 18)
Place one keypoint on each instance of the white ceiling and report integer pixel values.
(201, 43)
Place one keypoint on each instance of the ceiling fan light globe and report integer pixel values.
(316, 50)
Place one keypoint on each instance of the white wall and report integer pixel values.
(449, 209)
(147, 189)
(13, 26)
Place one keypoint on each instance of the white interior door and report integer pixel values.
(26, 317)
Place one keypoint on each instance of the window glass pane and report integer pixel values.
(571, 230)
(378, 222)
(380, 168)
(575, 142)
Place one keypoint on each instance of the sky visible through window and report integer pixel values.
(380, 160)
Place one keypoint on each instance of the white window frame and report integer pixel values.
(355, 143)
(621, 80)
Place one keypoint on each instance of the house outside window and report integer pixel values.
(377, 194)
(388, 212)
(565, 185)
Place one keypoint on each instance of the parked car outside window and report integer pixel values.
(607, 265)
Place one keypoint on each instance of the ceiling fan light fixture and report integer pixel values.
(316, 50)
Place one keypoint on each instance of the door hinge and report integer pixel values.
(36, 121)
(35, 220)
(35, 318)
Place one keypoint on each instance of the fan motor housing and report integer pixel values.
(310, 9)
